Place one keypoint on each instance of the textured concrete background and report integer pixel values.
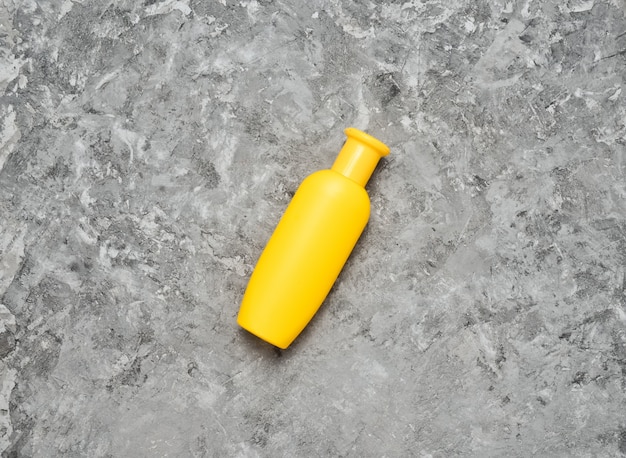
(148, 150)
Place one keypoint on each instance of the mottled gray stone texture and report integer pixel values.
(147, 150)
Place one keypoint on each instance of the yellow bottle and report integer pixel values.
(311, 244)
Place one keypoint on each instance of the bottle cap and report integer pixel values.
(359, 156)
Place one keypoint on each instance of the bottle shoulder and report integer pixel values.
(334, 181)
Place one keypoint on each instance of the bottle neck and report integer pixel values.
(359, 156)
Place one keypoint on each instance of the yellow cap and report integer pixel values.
(359, 156)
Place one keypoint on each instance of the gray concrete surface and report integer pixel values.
(148, 149)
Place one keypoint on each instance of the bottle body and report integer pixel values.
(304, 256)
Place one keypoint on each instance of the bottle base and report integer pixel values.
(263, 334)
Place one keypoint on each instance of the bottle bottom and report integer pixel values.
(263, 334)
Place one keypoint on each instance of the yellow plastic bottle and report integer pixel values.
(311, 244)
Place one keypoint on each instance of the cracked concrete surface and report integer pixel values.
(148, 149)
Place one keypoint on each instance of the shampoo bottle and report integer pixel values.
(311, 244)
